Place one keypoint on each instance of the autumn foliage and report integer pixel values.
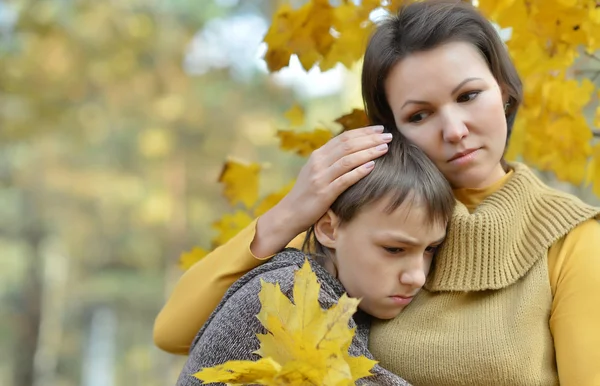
(548, 39)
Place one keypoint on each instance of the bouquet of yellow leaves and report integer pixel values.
(305, 345)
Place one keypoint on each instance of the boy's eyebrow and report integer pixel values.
(441, 240)
(407, 240)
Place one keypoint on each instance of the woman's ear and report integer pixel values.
(505, 96)
(326, 229)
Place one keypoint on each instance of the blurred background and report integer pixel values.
(115, 120)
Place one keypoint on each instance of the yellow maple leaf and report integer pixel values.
(272, 199)
(304, 344)
(229, 225)
(357, 118)
(303, 143)
(277, 58)
(295, 115)
(303, 31)
(593, 170)
(241, 182)
(241, 372)
(567, 95)
(187, 259)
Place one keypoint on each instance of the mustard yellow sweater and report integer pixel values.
(569, 269)
(487, 314)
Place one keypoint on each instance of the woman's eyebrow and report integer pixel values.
(462, 84)
(454, 91)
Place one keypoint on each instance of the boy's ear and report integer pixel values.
(326, 229)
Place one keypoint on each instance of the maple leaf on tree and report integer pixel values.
(304, 343)
(303, 31)
(272, 199)
(295, 115)
(593, 171)
(187, 259)
(353, 120)
(229, 225)
(241, 182)
(303, 143)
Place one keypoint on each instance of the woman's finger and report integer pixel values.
(351, 162)
(346, 180)
(351, 142)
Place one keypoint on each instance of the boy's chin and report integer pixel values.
(384, 314)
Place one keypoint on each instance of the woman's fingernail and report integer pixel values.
(382, 147)
(378, 129)
(369, 165)
(386, 136)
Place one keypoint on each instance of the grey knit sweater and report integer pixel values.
(230, 331)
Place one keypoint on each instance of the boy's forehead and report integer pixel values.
(411, 218)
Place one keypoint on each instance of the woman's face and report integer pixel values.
(447, 102)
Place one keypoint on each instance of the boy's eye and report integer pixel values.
(393, 250)
(432, 249)
(466, 97)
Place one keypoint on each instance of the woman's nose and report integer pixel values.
(454, 129)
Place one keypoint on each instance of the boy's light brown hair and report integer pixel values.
(403, 173)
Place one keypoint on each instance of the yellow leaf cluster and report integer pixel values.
(305, 345)
(272, 199)
(295, 115)
(357, 118)
(319, 34)
(232, 223)
(547, 36)
(241, 182)
(229, 225)
(303, 143)
(187, 259)
(593, 171)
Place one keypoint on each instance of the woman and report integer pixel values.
(512, 298)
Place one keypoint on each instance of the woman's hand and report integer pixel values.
(330, 170)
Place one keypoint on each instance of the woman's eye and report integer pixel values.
(418, 117)
(393, 250)
(466, 97)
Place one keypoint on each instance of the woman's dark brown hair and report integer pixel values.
(425, 25)
(403, 173)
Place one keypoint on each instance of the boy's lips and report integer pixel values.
(401, 299)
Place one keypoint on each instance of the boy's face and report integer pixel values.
(384, 258)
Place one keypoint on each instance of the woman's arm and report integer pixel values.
(200, 289)
(329, 171)
(574, 264)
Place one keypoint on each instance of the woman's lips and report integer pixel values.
(463, 157)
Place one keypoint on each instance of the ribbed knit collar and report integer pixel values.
(498, 242)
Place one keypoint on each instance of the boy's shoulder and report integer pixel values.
(278, 269)
(281, 269)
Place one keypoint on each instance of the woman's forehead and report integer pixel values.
(443, 67)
